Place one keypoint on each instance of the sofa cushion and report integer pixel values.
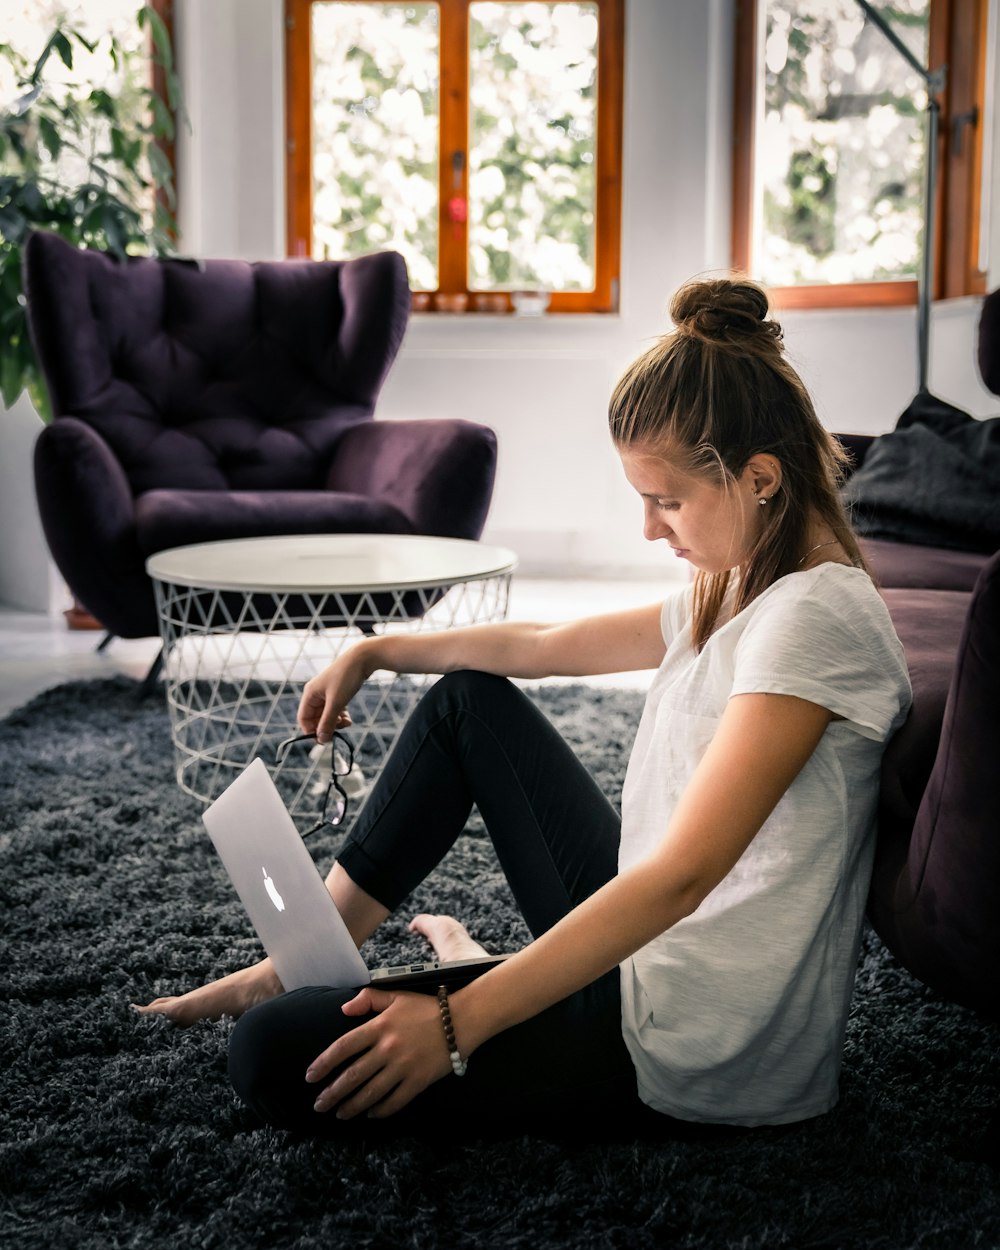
(915, 567)
(935, 481)
(929, 624)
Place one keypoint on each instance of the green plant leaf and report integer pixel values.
(163, 121)
(64, 48)
(12, 379)
(162, 50)
(89, 44)
(102, 102)
(162, 171)
(50, 136)
(39, 393)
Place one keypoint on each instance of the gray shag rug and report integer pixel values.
(117, 1131)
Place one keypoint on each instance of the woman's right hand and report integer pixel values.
(323, 706)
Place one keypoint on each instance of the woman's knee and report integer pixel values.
(274, 1043)
(468, 687)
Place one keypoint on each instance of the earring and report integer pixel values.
(762, 501)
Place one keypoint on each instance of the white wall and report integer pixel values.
(543, 385)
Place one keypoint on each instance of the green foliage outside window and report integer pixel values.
(533, 88)
(375, 133)
(841, 146)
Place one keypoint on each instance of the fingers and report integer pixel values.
(340, 1052)
(311, 706)
(318, 715)
(368, 1000)
(370, 1086)
(360, 1039)
(360, 1089)
(326, 727)
(386, 1061)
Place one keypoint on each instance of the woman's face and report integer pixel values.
(713, 527)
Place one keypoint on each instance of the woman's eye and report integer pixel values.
(667, 505)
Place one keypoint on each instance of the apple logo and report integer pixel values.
(272, 891)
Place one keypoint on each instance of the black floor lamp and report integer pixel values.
(923, 403)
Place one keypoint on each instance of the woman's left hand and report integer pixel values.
(398, 1054)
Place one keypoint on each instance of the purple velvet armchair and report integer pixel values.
(195, 402)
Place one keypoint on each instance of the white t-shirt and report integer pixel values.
(737, 1013)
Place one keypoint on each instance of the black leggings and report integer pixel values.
(473, 740)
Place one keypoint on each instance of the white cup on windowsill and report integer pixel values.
(529, 303)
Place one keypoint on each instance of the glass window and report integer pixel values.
(830, 131)
(479, 139)
(840, 150)
(376, 118)
(532, 146)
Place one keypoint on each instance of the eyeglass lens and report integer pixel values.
(343, 756)
(335, 800)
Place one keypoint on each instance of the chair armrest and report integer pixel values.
(87, 512)
(438, 473)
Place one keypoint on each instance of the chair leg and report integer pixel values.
(149, 681)
(104, 643)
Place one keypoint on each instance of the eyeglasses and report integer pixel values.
(335, 800)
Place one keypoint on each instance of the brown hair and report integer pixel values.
(712, 394)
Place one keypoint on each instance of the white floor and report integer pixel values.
(38, 651)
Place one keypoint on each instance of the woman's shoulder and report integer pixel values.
(833, 601)
(825, 635)
(828, 581)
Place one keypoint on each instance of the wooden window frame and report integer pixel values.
(957, 39)
(165, 10)
(454, 126)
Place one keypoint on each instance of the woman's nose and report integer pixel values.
(654, 525)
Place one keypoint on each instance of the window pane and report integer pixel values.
(375, 133)
(839, 159)
(532, 145)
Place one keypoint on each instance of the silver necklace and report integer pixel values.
(831, 543)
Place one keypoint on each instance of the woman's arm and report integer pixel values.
(617, 643)
(762, 743)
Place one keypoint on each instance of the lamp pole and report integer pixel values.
(935, 80)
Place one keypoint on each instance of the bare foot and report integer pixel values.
(449, 937)
(229, 996)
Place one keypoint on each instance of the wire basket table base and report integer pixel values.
(235, 663)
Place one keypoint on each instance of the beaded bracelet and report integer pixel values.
(458, 1064)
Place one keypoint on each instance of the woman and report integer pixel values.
(698, 957)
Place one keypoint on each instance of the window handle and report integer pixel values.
(958, 124)
(457, 168)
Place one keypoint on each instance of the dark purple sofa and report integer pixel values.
(195, 402)
(933, 898)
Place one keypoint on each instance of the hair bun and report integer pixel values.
(723, 310)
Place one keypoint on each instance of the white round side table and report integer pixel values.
(245, 623)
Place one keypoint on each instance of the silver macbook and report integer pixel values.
(288, 902)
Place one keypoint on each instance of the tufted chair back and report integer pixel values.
(200, 402)
(215, 376)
